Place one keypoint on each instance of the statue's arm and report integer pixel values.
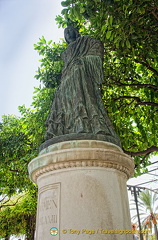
(96, 48)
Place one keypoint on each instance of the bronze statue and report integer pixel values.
(78, 111)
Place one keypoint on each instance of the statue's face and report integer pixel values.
(70, 35)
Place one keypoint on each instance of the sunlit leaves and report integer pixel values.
(51, 65)
(15, 214)
(20, 138)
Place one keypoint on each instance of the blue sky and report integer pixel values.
(22, 23)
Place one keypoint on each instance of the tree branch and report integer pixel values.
(3, 198)
(143, 159)
(9, 205)
(145, 152)
(128, 97)
(146, 64)
(154, 14)
(147, 103)
(134, 85)
(139, 102)
(15, 170)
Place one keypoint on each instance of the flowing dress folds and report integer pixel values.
(77, 106)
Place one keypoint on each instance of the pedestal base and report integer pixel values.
(82, 191)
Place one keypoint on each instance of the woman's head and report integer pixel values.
(71, 34)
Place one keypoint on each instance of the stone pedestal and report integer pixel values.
(82, 191)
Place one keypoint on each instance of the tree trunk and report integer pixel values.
(30, 226)
(7, 237)
(156, 232)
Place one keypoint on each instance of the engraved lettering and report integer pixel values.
(48, 210)
(48, 219)
(48, 203)
(55, 204)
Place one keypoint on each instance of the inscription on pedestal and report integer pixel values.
(48, 211)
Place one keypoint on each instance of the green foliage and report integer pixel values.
(148, 200)
(20, 138)
(15, 149)
(15, 214)
(49, 71)
(148, 208)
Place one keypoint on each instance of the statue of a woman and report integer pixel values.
(78, 111)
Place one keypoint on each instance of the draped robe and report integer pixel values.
(78, 111)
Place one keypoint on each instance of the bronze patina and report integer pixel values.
(78, 111)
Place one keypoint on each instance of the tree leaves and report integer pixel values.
(15, 214)
(108, 34)
(49, 71)
(20, 138)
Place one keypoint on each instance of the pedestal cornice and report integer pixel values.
(80, 153)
